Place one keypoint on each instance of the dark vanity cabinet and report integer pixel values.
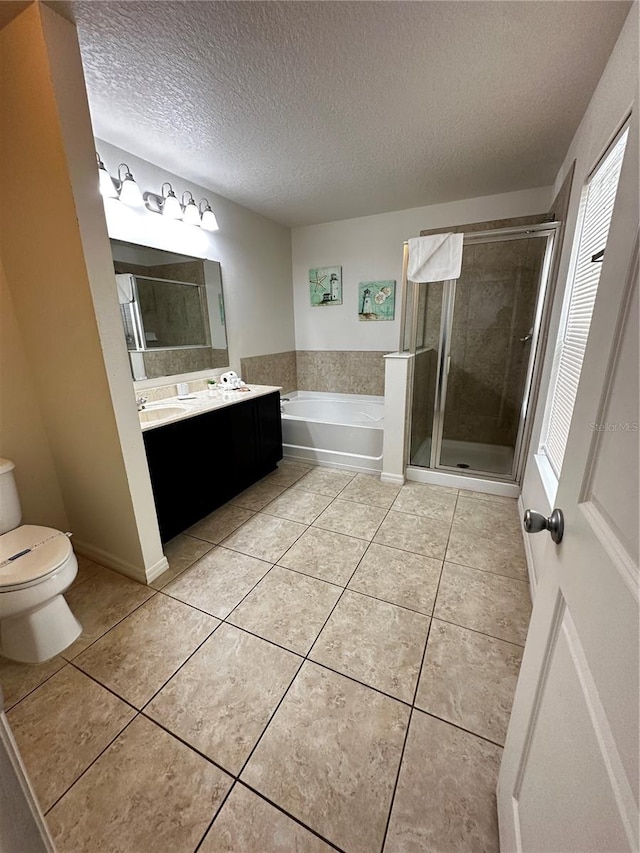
(199, 463)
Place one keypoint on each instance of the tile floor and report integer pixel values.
(328, 663)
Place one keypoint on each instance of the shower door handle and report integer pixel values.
(534, 522)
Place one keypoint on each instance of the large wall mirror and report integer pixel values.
(172, 309)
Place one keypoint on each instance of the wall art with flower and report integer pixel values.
(376, 300)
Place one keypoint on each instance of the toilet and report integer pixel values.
(37, 565)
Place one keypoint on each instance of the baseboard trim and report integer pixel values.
(528, 553)
(106, 558)
(157, 569)
(396, 479)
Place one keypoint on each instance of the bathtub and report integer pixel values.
(342, 430)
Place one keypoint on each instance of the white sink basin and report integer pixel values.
(160, 412)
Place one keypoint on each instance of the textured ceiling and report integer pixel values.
(314, 111)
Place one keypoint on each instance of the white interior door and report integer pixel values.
(569, 775)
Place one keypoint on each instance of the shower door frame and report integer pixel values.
(532, 379)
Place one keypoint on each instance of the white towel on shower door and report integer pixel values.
(437, 257)
(124, 283)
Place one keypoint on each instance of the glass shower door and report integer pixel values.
(429, 317)
(489, 341)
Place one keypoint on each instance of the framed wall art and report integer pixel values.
(325, 286)
(376, 300)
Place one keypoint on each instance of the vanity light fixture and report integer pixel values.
(129, 190)
(208, 220)
(170, 204)
(125, 188)
(190, 212)
(107, 187)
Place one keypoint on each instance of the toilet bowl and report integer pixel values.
(37, 565)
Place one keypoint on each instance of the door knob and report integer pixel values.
(534, 522)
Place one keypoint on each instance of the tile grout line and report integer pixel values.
(344, 588)
(89, 766)
(415, 693)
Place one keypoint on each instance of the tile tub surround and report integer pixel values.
(341, 371)
(275, 368)
(290, 706)
(334, 371)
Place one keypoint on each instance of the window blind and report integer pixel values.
(594, 221)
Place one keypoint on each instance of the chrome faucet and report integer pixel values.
(283, 400)
(140, 401)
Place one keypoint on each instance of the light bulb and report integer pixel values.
(129, 191)
(107, 187)
(191, 215)
(209, 221)
(170, 205)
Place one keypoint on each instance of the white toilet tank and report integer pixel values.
(10, 512)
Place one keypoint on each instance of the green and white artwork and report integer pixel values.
(376, 300)
(325, 286)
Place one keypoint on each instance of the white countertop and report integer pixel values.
(197, 404)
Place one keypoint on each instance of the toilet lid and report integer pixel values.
(46, 549)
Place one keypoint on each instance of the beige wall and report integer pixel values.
(23, 437)
(55, 252)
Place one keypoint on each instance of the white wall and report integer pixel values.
(615, 96)
(369, 248)
(254, 253)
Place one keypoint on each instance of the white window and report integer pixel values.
(594, 219)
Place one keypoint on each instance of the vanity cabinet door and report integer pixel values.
(198, 464)
(179, 474)
(269, 431)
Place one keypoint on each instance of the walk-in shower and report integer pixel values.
(475, 342)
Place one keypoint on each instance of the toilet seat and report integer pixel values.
(50, 549)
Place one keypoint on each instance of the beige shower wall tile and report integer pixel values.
(147, 792)
(63, 727)
(341, 371)
(278, 368)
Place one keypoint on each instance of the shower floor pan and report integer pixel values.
(492, 458)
